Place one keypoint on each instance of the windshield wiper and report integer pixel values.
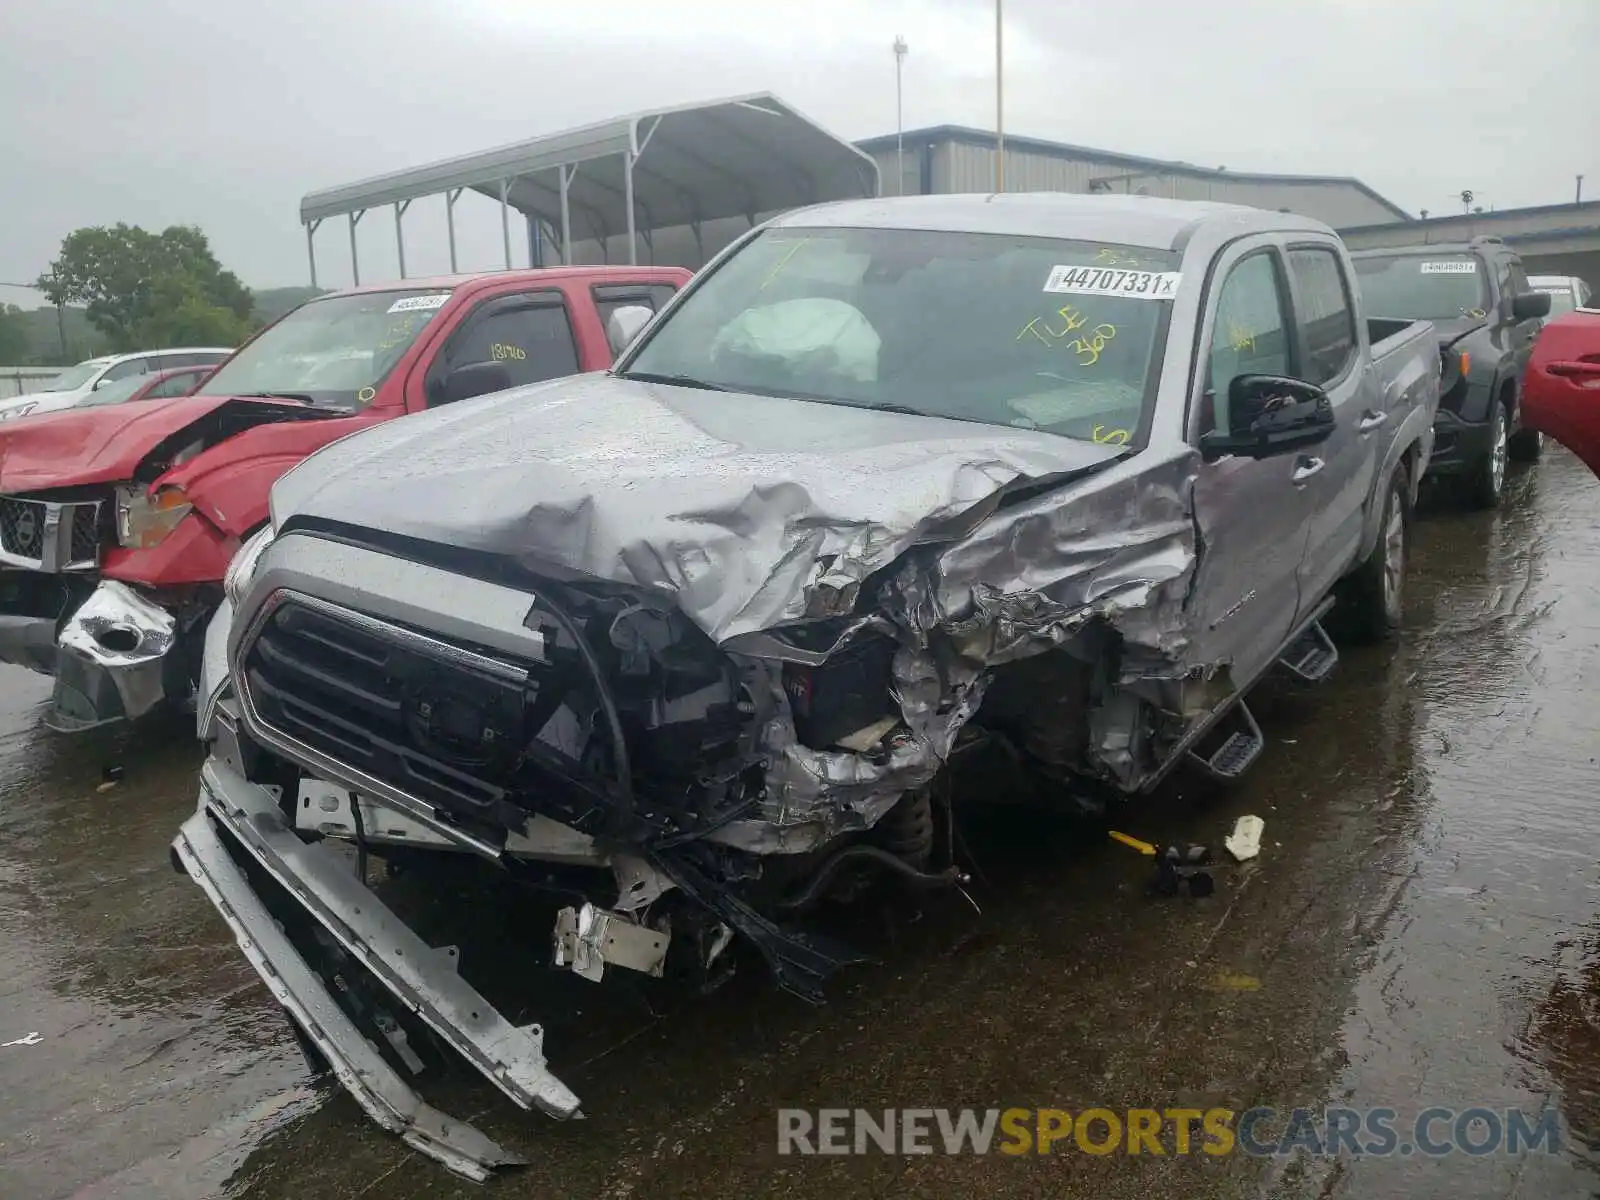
(300, 396)
(688, 381)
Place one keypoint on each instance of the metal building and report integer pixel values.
(954, 158)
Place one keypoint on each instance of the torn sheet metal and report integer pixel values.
(693, 495)
(981, 546)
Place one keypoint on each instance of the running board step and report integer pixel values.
(1312, 656)
(1233, 746)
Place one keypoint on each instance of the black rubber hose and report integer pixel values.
(361, 838)
(809, 895)
(608, 706)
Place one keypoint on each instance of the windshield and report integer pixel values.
(114, 392)
(72, 378)
(1423, 287)
(1028, 332)
(332, 352)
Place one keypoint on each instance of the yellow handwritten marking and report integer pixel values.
(1110, 437)
(1476, 314)
(501, 351)
(782, 263)
(1072, 320)
(365, 394)
(1093, 344)
(1240, 337)
(1116, 258)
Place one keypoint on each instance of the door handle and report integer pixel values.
(1371, 421)
(1306, 468)
(1582, 369)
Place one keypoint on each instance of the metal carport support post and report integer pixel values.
(311, 247)
(355, 258)
(627, 192)
(566, 173)
(400, 207)
(450, 198)
(505, 220)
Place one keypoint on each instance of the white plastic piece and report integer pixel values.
(1244, 843)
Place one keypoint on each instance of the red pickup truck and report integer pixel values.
(117, 523)
(1561, 390)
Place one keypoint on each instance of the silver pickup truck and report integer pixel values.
(699, 641)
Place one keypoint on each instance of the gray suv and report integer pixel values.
(1487, 314)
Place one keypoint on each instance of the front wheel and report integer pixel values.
(1526, 446)
(1487, 481)
(1372, 597)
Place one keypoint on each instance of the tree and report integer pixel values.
(180, 315)
(133, 283)
(14, 340)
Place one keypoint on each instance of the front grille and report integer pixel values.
(22, 527)
(431, 720)
(85, 537)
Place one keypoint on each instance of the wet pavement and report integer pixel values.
(1423, 927)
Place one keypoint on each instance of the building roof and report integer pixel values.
(699, 162)
(986, 137)
(1586, 208)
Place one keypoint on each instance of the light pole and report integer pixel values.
(999, 100)
(900, 49)
(1578, 199)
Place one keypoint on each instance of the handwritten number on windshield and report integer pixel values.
(1093, 344)
(1110, 437)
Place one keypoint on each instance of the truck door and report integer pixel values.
(1251, 513)
(1338, 474)
(528, 333)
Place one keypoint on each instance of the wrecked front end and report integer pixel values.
(107, 585)
(685, 785)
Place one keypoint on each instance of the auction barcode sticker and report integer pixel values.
(1106, 281)
(1466, 266)
(419, 303)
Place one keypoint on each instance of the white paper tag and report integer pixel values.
(1109, 281)
(419, 303)
(1468, 267)
(1553, 291)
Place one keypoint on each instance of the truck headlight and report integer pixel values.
(243, 567)
(144, 519)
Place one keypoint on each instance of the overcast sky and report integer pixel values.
(222, 113)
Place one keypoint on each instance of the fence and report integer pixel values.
(14, 381)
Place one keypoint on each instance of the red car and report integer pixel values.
(1561, 391)
(156, 385)
(117, 522)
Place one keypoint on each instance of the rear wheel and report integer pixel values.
(1487, 481)
(1372, 597)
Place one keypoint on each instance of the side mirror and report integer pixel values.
(1530, 305)
(474, 379)
(625, 324)
(1271, 415)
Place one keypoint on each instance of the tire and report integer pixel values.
(1525, 446)
(1487, 482)
(1372, 597)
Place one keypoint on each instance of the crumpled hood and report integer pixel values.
(748, 510)
(91, 445)
(105, 444)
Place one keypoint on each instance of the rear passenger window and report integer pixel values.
(123, 370)
(175, 385)
(1326, 319)
(609, 298)
(534, 342)
(1247, 333)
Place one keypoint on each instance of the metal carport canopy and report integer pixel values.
(654, 170)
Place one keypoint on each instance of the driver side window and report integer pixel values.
(1248, 333)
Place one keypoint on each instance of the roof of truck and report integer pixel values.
(1128, 220)
(440, 283)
